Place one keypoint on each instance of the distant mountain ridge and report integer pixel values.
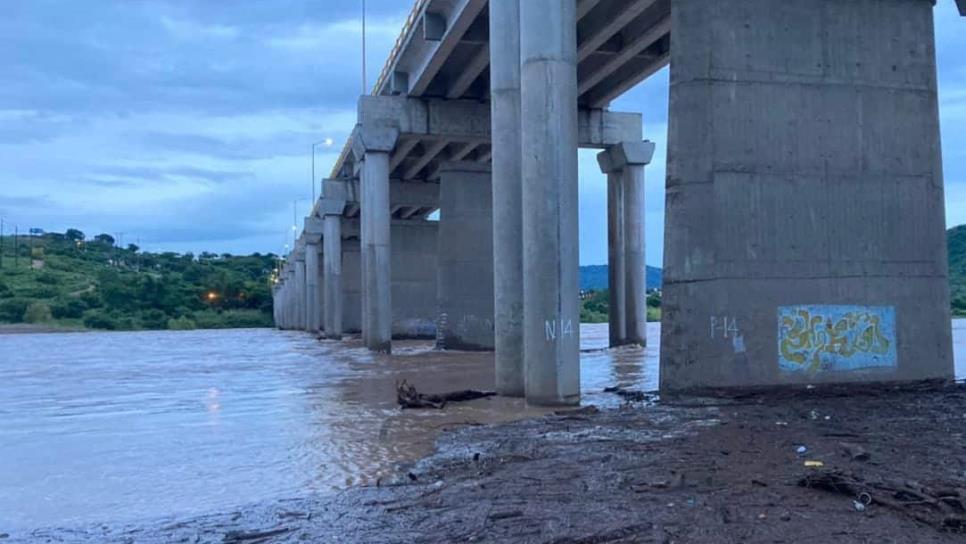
(594, 277)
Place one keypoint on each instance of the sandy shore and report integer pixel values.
(890, 466)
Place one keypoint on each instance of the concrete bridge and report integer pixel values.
(804, 227)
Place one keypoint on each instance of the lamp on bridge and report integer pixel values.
(327, 143)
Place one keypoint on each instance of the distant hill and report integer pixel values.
(68, 281)
(594, 277)
(956, 242)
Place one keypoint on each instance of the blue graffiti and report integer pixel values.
(818, 338)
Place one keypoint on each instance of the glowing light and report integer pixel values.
(328, 142)
(212, 295)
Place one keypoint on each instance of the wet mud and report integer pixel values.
(882, 464)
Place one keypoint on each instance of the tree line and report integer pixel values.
(70, 280)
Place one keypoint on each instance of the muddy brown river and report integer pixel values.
(120, 427)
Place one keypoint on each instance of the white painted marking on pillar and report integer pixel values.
(733, 328)
(567, 327)
(550, 327)
(725, 324)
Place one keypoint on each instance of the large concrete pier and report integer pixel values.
(804, 194)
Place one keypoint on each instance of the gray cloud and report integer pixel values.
(188, 123)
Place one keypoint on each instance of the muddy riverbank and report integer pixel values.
(893, 469)
(36, 328)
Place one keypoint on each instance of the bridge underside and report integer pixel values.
(804, 234)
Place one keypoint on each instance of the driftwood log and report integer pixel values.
(941, 506)
(408, 397)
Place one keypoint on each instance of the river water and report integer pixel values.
(120, 427)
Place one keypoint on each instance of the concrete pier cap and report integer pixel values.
(631, 153)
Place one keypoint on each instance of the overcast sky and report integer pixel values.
(187, 124)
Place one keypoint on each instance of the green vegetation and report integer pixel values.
(956, 242)
(62, 280)
(594, 306)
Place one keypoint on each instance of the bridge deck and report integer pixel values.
(443, 52)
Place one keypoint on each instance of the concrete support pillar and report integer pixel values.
(548, 98)
(300, 297)
(275, 306)
(627, 272)
(507, 196)
(635, 275)
(630, 158)
(352, 285)
(804, 218)
(332, 255)
(373, 146)
(617, 313)
(465, 258)
(313, 295)
(284, 310)
(290, 308)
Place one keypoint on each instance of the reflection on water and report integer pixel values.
(126, 426)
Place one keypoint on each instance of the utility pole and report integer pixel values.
(1, 242)
(364, 47)
(16, 246)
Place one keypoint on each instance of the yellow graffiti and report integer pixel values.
(806, 336)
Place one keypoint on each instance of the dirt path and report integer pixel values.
(696, 470)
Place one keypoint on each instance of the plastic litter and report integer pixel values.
(800, 450)
(859, 507)
(814, 464)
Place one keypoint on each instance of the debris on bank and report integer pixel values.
(633, 395)
(941, 505)
(408, 397)
(889, 465)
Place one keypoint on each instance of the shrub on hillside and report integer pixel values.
(247, 319)
(959, 305)
(99, 319)
(154, 320)
(589, 316)
(37, 312)
(39, 291)
(90, 299)
(181, 324)
(47, 278)
(12, 309)
(68, 308)
(126, 322)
